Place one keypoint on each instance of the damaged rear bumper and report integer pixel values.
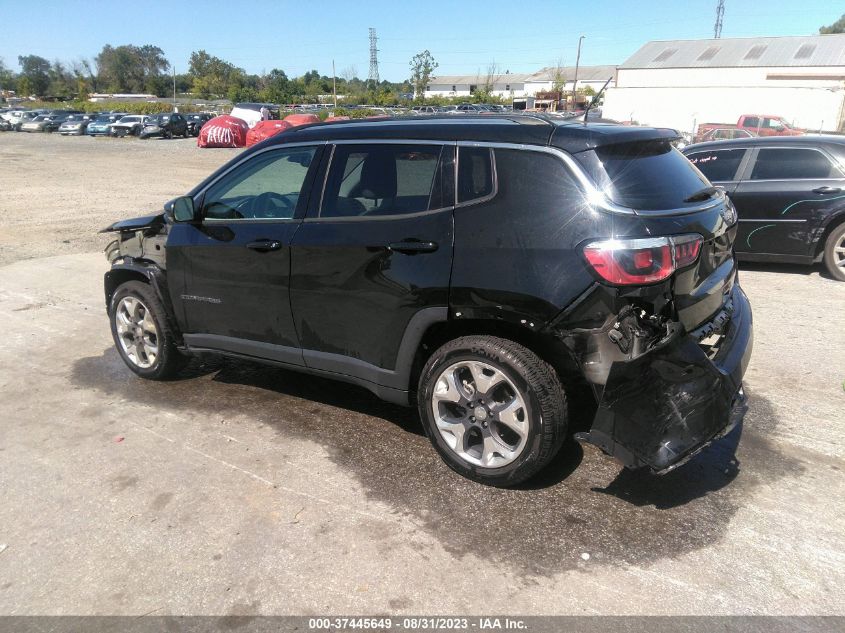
(662, 407)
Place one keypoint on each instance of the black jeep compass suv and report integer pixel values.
(480, 269)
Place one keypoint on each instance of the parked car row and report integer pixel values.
(119, 124)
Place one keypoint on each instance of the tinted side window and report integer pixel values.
(475, 173)
(718, 164)
(373, 180)
(791, 163)
(751, 121)
(265, 186)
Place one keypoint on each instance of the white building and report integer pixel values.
(681, 83)
(510, 85)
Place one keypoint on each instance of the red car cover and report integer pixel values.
(264, 130)
(223, 131)
(302, 119)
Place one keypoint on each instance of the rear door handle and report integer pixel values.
(827, 189)
(263, 246)
(412, 246)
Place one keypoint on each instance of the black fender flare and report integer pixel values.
(148, 272)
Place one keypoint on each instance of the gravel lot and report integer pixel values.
(57, 192)
(240, 490)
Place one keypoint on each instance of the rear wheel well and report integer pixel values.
(551, 350)
(835, 223)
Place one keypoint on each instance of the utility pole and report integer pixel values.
(174, 86)
(720, 13)
(334, 86)
(577, 63)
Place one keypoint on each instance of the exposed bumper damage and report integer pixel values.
(664, 393)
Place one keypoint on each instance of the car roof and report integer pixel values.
(764, 141)
(572, 136)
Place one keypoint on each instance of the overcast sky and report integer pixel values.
(464, 36)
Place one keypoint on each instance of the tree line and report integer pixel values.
(146, 70)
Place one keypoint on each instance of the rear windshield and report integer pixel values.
(650, 175)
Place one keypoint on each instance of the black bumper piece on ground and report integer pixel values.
(661, 408)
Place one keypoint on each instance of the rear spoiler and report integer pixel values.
(580, 137)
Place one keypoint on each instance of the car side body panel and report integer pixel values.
(782, 220)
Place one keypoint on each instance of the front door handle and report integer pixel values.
(827, 189)
(412, 246)
(262, 246)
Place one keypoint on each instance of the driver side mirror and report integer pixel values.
(181, 209)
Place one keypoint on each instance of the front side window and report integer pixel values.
(718, 165)
(379, 180)
(776, 163)
(267, 186)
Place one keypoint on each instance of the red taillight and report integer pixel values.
(642, 261)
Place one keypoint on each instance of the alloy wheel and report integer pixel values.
(839, 252)
(137, 332)
(480, 413)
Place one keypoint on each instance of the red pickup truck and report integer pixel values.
(756, 124)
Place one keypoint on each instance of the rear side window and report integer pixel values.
(788, 163)
(475, 173)
(645, 175)
(374, 180)
(718, 165)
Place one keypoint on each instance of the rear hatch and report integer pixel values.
(670, 197)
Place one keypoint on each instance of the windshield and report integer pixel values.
(130, 119)
(644, 175)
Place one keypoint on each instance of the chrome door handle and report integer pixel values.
(827, 189)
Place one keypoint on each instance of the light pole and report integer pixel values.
(577, 63)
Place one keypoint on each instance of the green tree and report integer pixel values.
(130, 68)
(276, 87)
(24, 87)
(213, 76)
(7, 78)
(836, 27)
(422, 67)
(62, 82)
(36, 70)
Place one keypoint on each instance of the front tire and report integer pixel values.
(834, 253)
(493, 409)
(141, 334)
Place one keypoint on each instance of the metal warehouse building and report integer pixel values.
(681, 83)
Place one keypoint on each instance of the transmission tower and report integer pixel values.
(373, 76)
(720, 13)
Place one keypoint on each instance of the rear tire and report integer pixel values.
(141, 334)
(834, 253)
(493, 409)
